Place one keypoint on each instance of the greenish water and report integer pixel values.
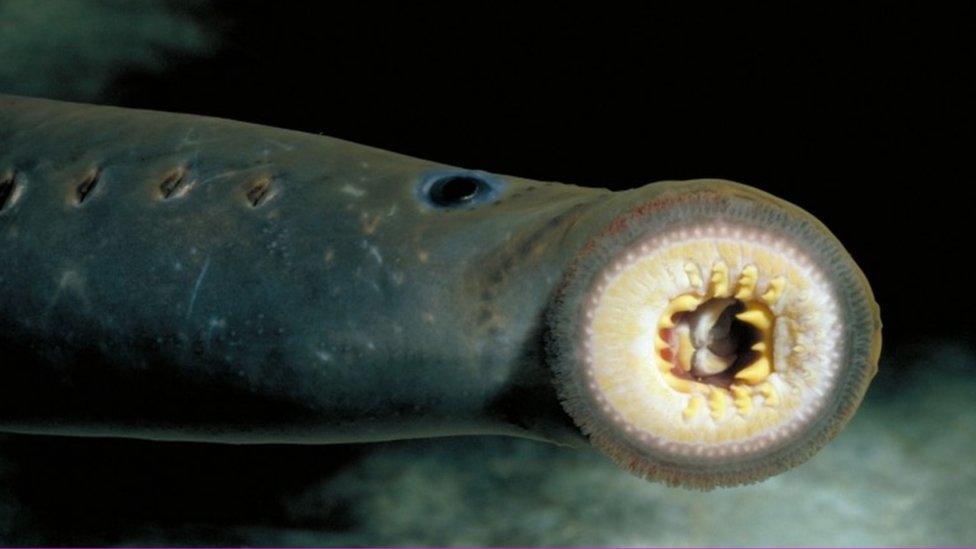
(72, 49)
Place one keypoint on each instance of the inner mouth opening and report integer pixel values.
(715, 343)
(712, 344)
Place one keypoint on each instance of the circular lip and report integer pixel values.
(804, 415)
(684, 204)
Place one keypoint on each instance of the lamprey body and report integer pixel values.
(179, 277)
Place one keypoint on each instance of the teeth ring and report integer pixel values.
(685, 341)
(725, 345)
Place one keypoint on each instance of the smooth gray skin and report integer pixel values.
(343, 308)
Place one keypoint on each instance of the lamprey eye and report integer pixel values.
(713, 336)
(458, 189)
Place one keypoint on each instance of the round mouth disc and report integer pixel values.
(713, 336)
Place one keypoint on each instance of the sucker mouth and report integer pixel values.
(696, 339)
(714, 335)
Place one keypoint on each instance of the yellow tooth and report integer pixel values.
(775, 290)
(717, 402)
(747, 282)
(720, 280)
(684, 303)
(694, 277)
(681, 304)
(761, 347)
(678, 384)
(694, 405)
(685, 350)
(769, 393)
(756, 317)
(742, 397)
(755, 372)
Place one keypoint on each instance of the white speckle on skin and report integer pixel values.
(280, 145)
(355, 192)
(324, 356)
(74, 282)
(196, 287)
(375, 252)
(71, 279)
(214, 325)
(190, 139)
(223, 175)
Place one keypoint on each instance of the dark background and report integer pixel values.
(863, 117)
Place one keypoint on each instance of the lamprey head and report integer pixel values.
(713, 335)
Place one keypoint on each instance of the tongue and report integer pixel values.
(706, 363)
(710, 334)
